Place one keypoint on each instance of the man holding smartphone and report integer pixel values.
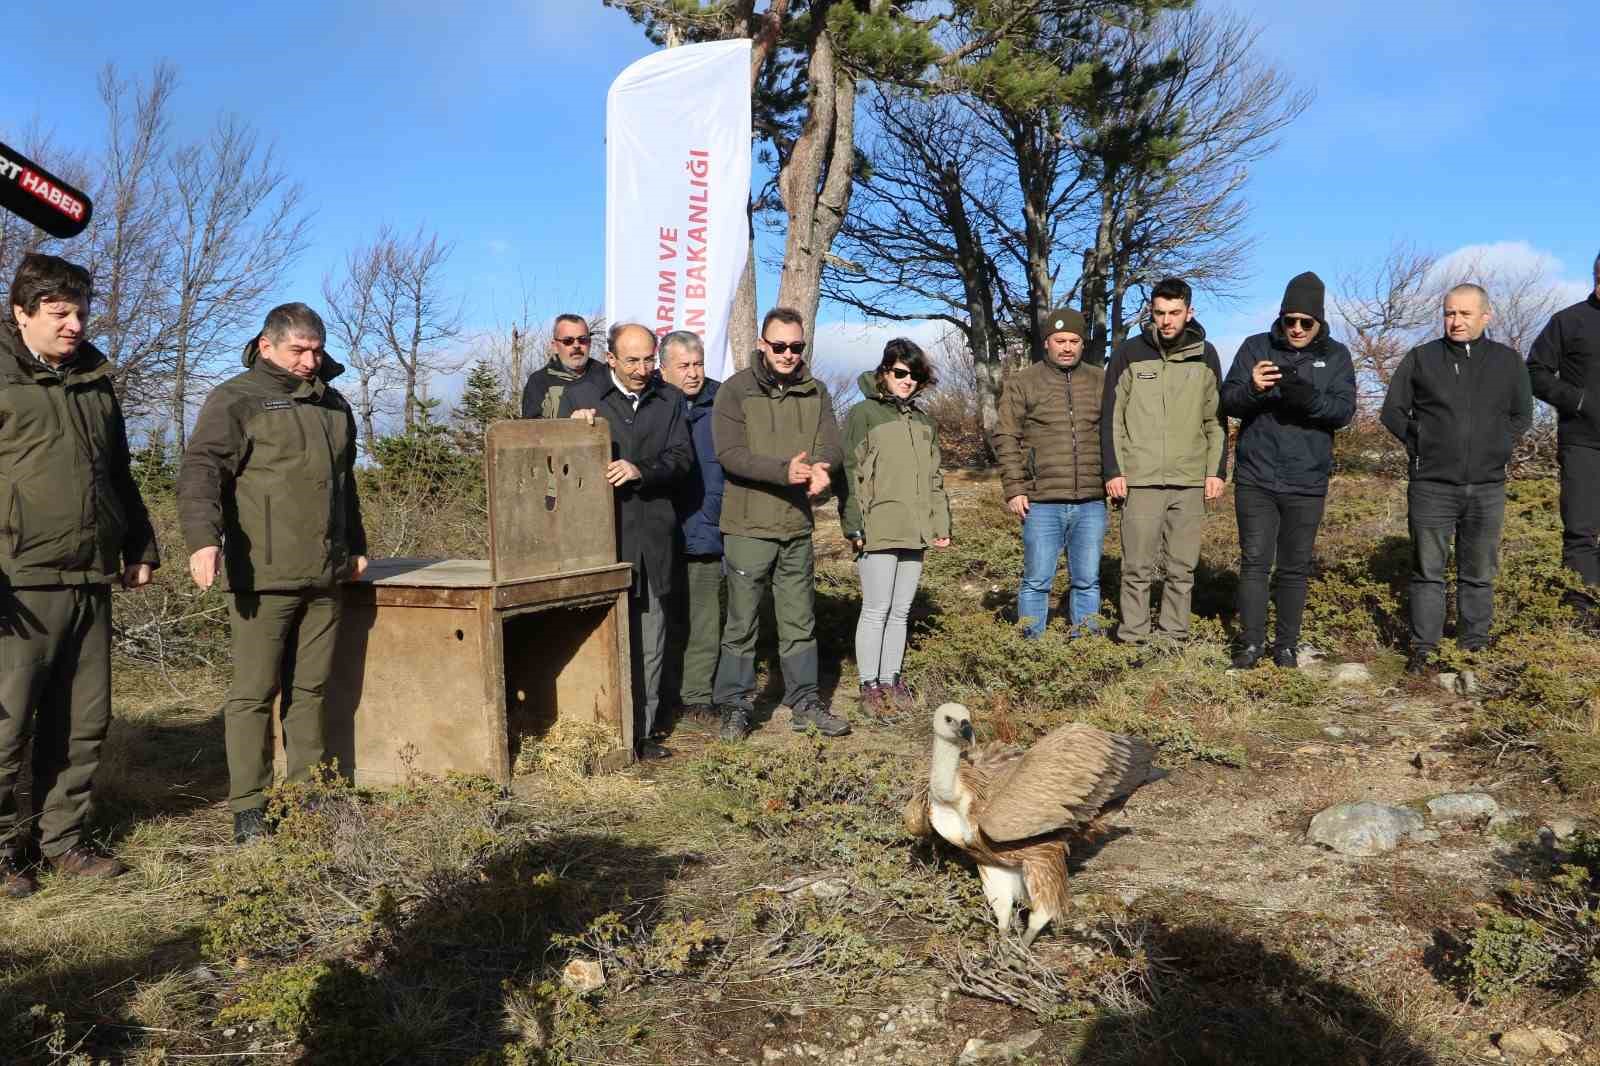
(1292, 386)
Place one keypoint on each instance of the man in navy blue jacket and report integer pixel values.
(1293, 386)
(695, 641)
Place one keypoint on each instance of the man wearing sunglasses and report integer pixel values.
(1459, 404)
(569, 363)
(1292, 386)
(778, 443)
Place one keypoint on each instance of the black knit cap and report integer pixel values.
(1304, 296)
(1066, 320)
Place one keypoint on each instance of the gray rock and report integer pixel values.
(1364, 828)
(584, 976)
(1536, 1042)
(1564, 828)
(980, 1050)
(1334, 731)
(1462, 807)
(1424, 836)
(1506, 816)
(1350, 674)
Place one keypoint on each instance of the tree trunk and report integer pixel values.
(1097, 284)
(983, 330)
(816, 180)
(1036, 178)
(742, 321)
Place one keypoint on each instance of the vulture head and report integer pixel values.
(952, 722)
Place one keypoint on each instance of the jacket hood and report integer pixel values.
(767, 379)
(872, 388)
(1193, 334)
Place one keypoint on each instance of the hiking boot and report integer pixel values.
(650, 751)
(1248, 656)
(811, 712)
(900, 695)
(1419, 663)
(16, 880)
(81, 860)
(735, 723)
(875, 699)
(1286, 657)
(249, 825)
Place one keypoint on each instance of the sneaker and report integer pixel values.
(811, 712)
(16, 880)
(1419, 663)
(1248, 656)
(875, 699)
(81, 860)
(249, 825)
(900, 694)
(650, 751)
(1286, 657)
(735, 722)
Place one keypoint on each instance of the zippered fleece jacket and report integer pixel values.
(1048, 436)
(270, 475)
(1564, 365)
(759, 424)
(894, 496)
(1159, 423)
(1459, 409)
(71, 511)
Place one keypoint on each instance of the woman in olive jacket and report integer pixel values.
(894, 507)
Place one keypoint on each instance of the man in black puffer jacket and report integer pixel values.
(1293, 386)
(1458, 404)
(1565, 367)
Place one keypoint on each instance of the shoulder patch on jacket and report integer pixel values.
(276, 405)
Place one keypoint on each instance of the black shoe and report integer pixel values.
(735, 723)
(811, 712)
(650, 751)
(1286, 657)
(1419, 663)
(249, 825)
(16, 880)
(1248, 656)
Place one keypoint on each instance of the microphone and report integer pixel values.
(31, 192)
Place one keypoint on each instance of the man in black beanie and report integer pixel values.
(1292, 386)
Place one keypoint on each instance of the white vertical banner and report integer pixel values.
(677, 186)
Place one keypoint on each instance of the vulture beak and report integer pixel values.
(966, 732)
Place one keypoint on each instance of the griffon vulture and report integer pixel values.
(1013, 811)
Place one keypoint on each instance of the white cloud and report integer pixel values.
(1508, 260)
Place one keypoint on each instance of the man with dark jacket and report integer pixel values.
(1565, 367)
(569, 363)
(1048, 444)
(650, 440)
(1458, 404)
(1163, 450)
(696, 636)
(267, 500)
(778, 443)
(73, 524)
(1293, 386)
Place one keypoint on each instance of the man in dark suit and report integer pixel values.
(651, 454)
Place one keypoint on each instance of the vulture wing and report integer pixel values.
(1063, 782)
(917, 820)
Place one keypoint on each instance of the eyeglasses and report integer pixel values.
(902, 373)
(1299, 322)
(582, 338)
(779, 347)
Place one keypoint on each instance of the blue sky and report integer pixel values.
(1448, 124)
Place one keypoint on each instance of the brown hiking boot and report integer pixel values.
(16, 880)
(80, 860)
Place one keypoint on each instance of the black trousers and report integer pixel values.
(1580, 511)
(1474, 516)
(1281, 525)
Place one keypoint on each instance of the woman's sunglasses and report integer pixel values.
(902, 373)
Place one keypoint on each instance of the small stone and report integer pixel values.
(230, 1033)
(980, 1050)
(772, 1054)
(1334, 731)
(1364, 828)
(1128, 896)
(202, 974)
(1462, 807)
(796, 1011)
(1564, 828)
(814, 1051)
(1506, 816)
(1521, 1042)
(584, 976)
(1350, 674)
(1424, 836)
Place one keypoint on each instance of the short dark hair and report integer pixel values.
(787, 315)
(1173, 289)
(615, 332)
(566, 316)
(43, 277)
(901, 350)
(293, 318)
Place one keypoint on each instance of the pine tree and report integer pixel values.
(483, 403)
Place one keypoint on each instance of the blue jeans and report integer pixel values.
(1081, 529)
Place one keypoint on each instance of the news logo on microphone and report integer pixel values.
(31, 192)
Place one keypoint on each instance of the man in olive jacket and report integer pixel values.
(73, 523)
(1048, 444)
(1163, 450)
(778, 443)
(267, 498)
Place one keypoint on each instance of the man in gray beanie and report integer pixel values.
(1292, 387)
(1048, 444)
